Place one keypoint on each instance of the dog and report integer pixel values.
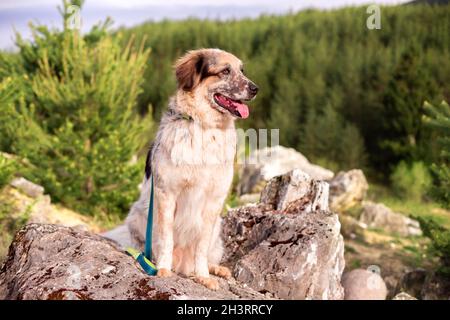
(191, 161)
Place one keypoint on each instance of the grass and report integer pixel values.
(397, 252)
(408, 207)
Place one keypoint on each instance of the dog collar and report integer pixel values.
(180, 115)
(185, 116)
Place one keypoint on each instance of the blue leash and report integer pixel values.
(148, 234)
(144, 259)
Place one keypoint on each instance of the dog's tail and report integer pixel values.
(121, 235)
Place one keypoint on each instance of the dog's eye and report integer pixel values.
(225, 71)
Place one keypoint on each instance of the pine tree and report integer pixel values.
(438, 118)
(403, 101)
(78, 94)
(329, 140)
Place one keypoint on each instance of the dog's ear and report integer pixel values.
(190, 70)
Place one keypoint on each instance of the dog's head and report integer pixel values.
(217, 77)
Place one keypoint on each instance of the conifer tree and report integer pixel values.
(76, 94)
(438, 118)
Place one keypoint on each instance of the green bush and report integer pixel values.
(73, 115)
(440, 239)
(411, 181)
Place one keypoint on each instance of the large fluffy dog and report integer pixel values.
(192, 164)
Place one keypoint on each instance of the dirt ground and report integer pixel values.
(393, 255)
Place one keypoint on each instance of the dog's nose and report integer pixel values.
(253, 88)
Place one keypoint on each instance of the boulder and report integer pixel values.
(436, 287)
(377, 215)
(20, 208)
(60, 263)
(425, 285)
(264, 164)
(288, 246)
(412, 282)
(27, 187)
(296, 185)
(403, 296)
(40, 210)
(347, 189)
(362, 284)
(290, 243)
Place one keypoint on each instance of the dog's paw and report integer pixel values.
(210, 283)
(220, 271)
(164, 273)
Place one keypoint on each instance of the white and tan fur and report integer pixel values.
(192, 165)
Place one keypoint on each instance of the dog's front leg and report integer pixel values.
(163, 236)
(210, 214)
(201, 259)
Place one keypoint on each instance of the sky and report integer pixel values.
(15, 14)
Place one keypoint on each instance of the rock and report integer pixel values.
(436, 287)
(347, 189)
(391, 281)
(361, 284)
(19, 209)
(403, 296)
(249, 198)
(377, 215)
(351, 228)
(264, 164)
(27, 187)
(412, 282)
(289, 244)
(296, 185)
(40, 210)
(55, 262)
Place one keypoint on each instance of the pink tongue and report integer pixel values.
(242, 108)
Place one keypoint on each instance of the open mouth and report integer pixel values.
(235, 107)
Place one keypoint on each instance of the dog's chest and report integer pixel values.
(196, 146)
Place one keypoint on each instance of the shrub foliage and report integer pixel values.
(68, 106)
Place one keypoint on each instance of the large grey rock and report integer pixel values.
(29, 188)
(53, 262)
(296, 185)
(288, 246)
(264, 164)
(362, 284)
(293, 248)
(347, 189)
(377, 215)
